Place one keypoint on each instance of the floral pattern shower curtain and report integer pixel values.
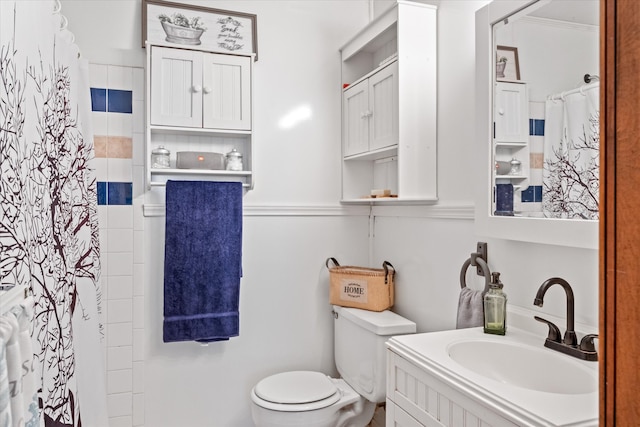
(48, 208)
(571, 187)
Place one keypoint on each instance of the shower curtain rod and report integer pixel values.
(581, 89)
(588, 78)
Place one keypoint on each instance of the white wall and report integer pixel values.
(428, 246)
(553, 57)
(283, 292)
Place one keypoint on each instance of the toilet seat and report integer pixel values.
(296, 391)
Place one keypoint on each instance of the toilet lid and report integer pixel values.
(297, 387)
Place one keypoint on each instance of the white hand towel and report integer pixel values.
(24, 313)
(9, 331)
(5, 404)
(470, 309)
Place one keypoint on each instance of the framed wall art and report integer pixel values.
(184, 25)
(507, 65)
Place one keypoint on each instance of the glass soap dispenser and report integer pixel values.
(495, 307)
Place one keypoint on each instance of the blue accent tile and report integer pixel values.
(528, 195)
(120, 101)
(536, 127)
(120, 193)
(537, 193)
(102, 193)
(98, 99)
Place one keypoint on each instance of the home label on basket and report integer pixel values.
(354, 290)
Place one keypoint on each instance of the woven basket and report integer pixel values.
(361, 287)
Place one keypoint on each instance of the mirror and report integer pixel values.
(537, 107)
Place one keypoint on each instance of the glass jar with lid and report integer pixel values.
(234, 160)
(160, 158)
(515, 166)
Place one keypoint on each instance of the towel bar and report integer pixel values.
(163, 184)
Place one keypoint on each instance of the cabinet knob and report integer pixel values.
(501, 112)
(206, 89)
(197, 88)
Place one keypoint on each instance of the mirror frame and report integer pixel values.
(563, 232)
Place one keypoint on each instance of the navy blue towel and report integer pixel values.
(202, 260)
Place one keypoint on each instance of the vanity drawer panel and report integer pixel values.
(431, 401)
(396, 417)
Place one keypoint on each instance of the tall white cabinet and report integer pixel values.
(389, 108)
(198, 101)
(511, 133)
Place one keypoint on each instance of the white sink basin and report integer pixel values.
(525, 366)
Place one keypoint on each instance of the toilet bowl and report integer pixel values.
(313, 399)
(307, 398)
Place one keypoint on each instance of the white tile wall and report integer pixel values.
(120, 381)
(119, 77)
(119, 405)
(120, 170)
(138, 409)
(121, 238)
(120, 287)
(119, 358)
(119, 334)
(120, 311)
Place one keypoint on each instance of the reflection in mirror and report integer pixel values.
(546, 111)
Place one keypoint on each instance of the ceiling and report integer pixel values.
(578, 11)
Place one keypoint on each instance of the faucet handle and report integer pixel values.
(587, 344)
(554, 332)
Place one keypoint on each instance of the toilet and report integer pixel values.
(312, 399)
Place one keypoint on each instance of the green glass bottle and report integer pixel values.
(495, 307)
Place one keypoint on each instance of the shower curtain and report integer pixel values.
(571, 155)
(48, 208)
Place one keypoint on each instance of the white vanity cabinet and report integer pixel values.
(416, 397)
(198, 101)
(370, 112)
(389, 108)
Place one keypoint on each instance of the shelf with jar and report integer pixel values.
(199, 116)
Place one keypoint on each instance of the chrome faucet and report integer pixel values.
(568, 344)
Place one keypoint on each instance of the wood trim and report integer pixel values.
(607, 213)
(620, 229)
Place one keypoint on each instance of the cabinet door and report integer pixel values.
(383, 104)
(176, 87)
(511, 113)
(355, 120)
(227, 92)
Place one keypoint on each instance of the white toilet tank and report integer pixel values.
(360, 352)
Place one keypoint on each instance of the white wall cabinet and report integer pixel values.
(198, 101)
(511, 132)
(370, 112)
(200, 89)
(389, 108)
